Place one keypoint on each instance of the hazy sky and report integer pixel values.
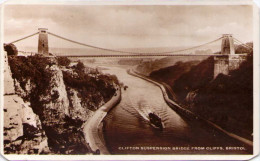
(131, 26)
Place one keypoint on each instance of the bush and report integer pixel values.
(10, 49)
(63, 61)
(80, 66)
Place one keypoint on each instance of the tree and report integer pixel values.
(10, 49)
(63, 61)
(80, 66)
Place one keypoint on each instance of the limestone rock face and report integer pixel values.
(56, 98)
(13, 127)
(29, 86)
(76, 110)
(8, 84)
(23, 132)
(52, 105)
(53, 117)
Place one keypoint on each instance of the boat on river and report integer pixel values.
(155, 121)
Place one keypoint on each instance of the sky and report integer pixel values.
(129, 26)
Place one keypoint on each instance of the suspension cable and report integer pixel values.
(129, 52)
(246, 46)
(243, 43)
(24, 38)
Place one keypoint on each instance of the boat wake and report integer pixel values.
(145, 111)
(142, 109)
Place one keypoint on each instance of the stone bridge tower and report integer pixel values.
(43, 47)
(228, 60)
(221, 63)
(227, 46)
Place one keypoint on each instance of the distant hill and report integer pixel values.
(148, 67)
(170, 74)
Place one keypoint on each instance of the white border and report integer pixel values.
(1, 80)
(256, 72)
(130, 2)
(145, 157)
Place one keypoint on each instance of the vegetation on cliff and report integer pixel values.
(31, 68)
(170, 74)
(226, 100)
(10, 49)
(147, 66)
(93, 87)
(63, 61)
(48, 84)
(197, 77)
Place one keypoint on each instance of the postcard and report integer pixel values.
(129, 80)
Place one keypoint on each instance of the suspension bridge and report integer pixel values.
(225, 58)
(227, 47)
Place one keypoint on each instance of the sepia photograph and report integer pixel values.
(128, 79)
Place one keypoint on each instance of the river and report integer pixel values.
(128, 131)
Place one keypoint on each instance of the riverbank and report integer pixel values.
(93, 128)
(190, 114)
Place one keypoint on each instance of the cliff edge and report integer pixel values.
(57, 99)
(23, 133)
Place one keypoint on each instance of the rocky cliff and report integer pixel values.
(52, 91)
(226, 100)
(23, 133)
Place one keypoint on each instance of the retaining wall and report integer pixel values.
(93, 128)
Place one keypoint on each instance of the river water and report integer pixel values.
(127, 129)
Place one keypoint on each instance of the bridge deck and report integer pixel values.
(146, 55)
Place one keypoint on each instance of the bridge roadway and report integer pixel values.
(145, 55)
